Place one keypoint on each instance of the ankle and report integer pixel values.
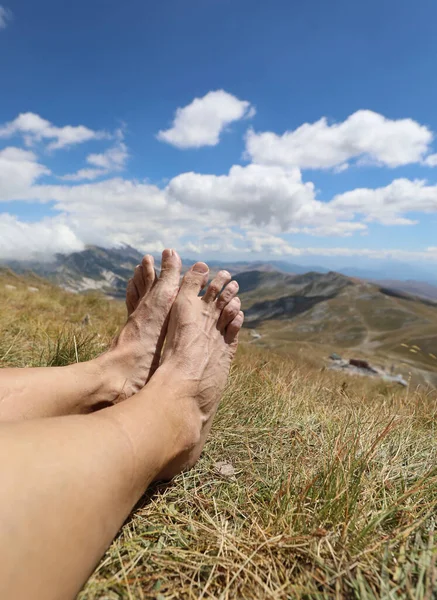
(109, 371)
(179, 401)
(172, 424)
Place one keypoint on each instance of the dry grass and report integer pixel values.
(335, 486)
(44, 327)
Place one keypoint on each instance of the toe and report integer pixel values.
(215, 287)
(131, 297)
(230, 291)
(138, 280)
(170, 267)
(228, 314)
(233, 328)
(195, 279)
(149, 275)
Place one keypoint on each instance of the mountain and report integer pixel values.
(322, 313)
(108, 270)
(292, 295)
(421, 289)
(269, 266)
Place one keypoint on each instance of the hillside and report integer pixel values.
(334, 485)
(107, 270)
(415, 288)
(324, 313)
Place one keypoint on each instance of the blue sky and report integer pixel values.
(305, 130)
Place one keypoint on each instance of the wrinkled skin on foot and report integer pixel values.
(202, 339)
(135, 354)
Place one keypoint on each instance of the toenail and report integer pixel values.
(200, 268)
(167, 253)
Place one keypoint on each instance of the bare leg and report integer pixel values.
(114, 376)
(68, 483)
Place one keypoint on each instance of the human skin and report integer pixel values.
(84, 387)
(68, 483)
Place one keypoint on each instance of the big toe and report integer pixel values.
(170, 267)
(195, 279)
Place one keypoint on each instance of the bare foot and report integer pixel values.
(135, 354)
(201, 342)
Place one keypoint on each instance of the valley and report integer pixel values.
(318, 314)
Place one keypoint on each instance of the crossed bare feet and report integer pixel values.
(201, 339)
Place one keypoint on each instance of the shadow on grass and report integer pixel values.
(155, 490)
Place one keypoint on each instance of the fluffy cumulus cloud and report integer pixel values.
(265, 196)
(364, 135)
(389, 205)
(254, 208)
(253, 194)
(201, 122)
(5, 17)
(20, 240)
(19, 170)
(34, 128)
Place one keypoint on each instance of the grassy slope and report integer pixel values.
(361, 321)
(335, 486)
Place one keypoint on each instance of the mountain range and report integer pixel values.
(319, 313)
(108, 270)
(291, 309)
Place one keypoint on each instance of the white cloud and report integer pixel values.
(249, 209)
(112, 160)
(5, 17)
(261, 243)
(253, 194)
(201, 122)
(431, 160)
(84, 175)
(19, 170)
(21, 241)
(33, 128)
(388, 205)
(365, 134)
(273, 199)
